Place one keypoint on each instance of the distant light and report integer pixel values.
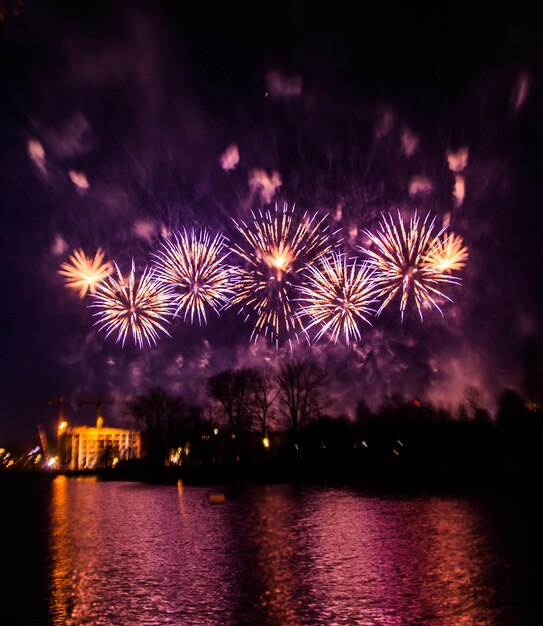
(115, 461)
(62, 426)
(417, 402)
(51, 462)
(217, 498)
(215, 431)
(266, 442)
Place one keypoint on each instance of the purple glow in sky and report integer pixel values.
(121, 123)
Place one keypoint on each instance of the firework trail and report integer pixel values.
(84, 273)
(139, 307)
(192, 264)
(337, 297)
(411, 260)
(278, 246)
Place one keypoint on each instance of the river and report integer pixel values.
(78, 551)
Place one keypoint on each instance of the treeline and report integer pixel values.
(242, 403)
(273, 424)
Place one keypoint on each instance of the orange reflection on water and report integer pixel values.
(275, 549)
(455, 543)
(71, 589)
(60, 603)
(130, 554)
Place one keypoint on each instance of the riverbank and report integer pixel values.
(391, 476)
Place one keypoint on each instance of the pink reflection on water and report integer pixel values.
(130, 553)
(127, 553)
(275, 547)
(396, 562)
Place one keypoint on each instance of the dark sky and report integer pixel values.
(113, 120)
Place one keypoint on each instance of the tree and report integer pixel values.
(532, 371)
(301, 392)
(159, 417)
(511, 414)
(263, 393)
(230, 388)
(363, 416)
(475, 401)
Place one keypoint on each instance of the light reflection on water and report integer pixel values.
(131, 553)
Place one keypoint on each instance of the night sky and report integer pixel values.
(115, 121)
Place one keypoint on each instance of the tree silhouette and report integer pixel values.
(263, 394)
(301, 392)
(363, 416)
(160, 418)
(511, 414)
(532, 371)
(230, 388)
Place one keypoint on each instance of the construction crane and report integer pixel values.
(44, 445)
(60, 400)
(98, 402)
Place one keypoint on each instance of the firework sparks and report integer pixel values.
(278, 247)
(192, 264)
(447, 254)
(337, 297)
(407, 262)
(137, 307)
(83, 273)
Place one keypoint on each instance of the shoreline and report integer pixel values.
(504, 481)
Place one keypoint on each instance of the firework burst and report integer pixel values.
(277, 247)
(131, 306)
(83, 273)
(337, 297)
(447, 254)
(192, 264)
(410, 262)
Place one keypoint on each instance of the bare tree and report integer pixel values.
(159, 418)
(532, 371)
(263, 394)
(475, 403)
(302, 392)
(230, 389)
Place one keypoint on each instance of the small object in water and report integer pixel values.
(216, 498)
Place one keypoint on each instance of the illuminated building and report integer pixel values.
(92, 447)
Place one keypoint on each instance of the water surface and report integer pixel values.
(121, 553)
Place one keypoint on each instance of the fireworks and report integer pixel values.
(193, 266)
(447, 254)
(84, 273)
(278, 247)
(289, 278)
(412, 260)
(137, 307)
(338, 297)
